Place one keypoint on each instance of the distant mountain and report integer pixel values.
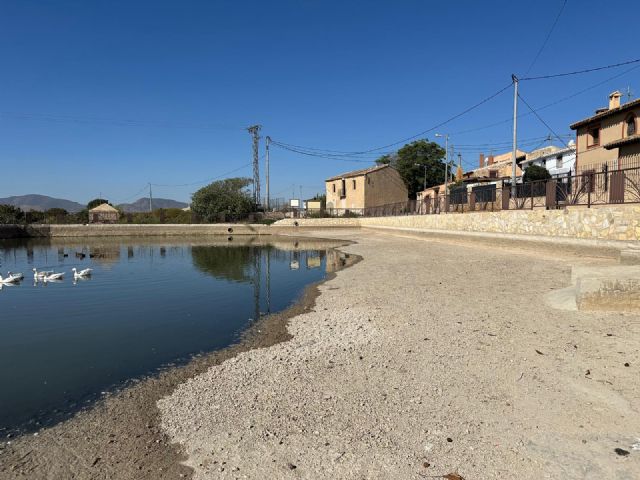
(142, 205)
(41, 203)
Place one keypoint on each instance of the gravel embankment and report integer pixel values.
(425, 358)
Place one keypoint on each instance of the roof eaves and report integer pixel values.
(606, 114)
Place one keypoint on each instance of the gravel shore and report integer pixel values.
(426, 358)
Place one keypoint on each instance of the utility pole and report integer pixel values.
(267, 141)
(150, 200)
(515, 135)
(446, 170)
(254, 130)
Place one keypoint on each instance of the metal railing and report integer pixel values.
(586, 189)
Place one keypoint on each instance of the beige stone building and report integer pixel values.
(104, 213)
(496, 166)
(610, 137)
(371, 187)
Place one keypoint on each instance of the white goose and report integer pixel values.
(18, 276)
(82, 273)
(53, 276)
(8, 280)
(40, 275)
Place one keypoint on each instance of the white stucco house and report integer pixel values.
(558, 161)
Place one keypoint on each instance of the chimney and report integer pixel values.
(481, 163)
(490, 159)
(614, 100)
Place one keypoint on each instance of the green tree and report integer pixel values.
(224, 198)
(411, 160)
(534, 173)
(10, 214)
(95, 202)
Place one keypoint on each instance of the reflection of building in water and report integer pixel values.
(294, 259)
(314, 262)
(335, 260)
(105, 255)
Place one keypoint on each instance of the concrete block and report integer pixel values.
(610, 288)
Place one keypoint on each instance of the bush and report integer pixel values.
(534, 173)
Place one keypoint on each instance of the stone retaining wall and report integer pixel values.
(16, 231)
(609, 222)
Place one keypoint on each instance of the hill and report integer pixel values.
(41, 203)
(142, 205)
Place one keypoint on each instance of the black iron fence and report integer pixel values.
(586, 189)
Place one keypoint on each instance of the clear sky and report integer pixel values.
(106, 96)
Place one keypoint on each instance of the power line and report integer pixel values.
(543, 122)
(116, 122)
(202, 181)
(578, 72)
(544, 44)
(441, 124)
(131, 196)
(555, 102)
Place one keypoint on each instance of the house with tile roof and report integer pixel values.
(369, 187)
(104, 213)
(609, 139)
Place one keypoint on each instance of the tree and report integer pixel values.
(224, 198)
(95, 202)
(411, 160)
(534, 173)
(10, 214)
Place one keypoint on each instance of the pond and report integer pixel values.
(146, 305)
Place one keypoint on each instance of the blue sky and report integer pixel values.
(106, 96)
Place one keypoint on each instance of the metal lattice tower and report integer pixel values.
(254, 130)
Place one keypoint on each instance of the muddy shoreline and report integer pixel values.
(119, 436)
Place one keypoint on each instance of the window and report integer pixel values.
(354, 184)
(334, 188)
(593, 137)
(559, 161)
(630, 125)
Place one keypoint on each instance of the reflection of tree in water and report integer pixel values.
(228, 263)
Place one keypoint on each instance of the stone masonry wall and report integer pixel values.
(597, 223)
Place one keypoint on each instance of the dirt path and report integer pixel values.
(424, 359)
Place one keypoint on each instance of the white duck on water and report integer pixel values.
(53, 276)
(8, 280)
(18, 276)
(82, 273)
(40, 275)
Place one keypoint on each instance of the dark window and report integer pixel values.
(593, 137)
(334, 188)
(559, 161)
(354, 184)
(630, 125)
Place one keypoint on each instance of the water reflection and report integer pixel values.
(149, 303)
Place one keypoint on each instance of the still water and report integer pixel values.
(145, 306)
